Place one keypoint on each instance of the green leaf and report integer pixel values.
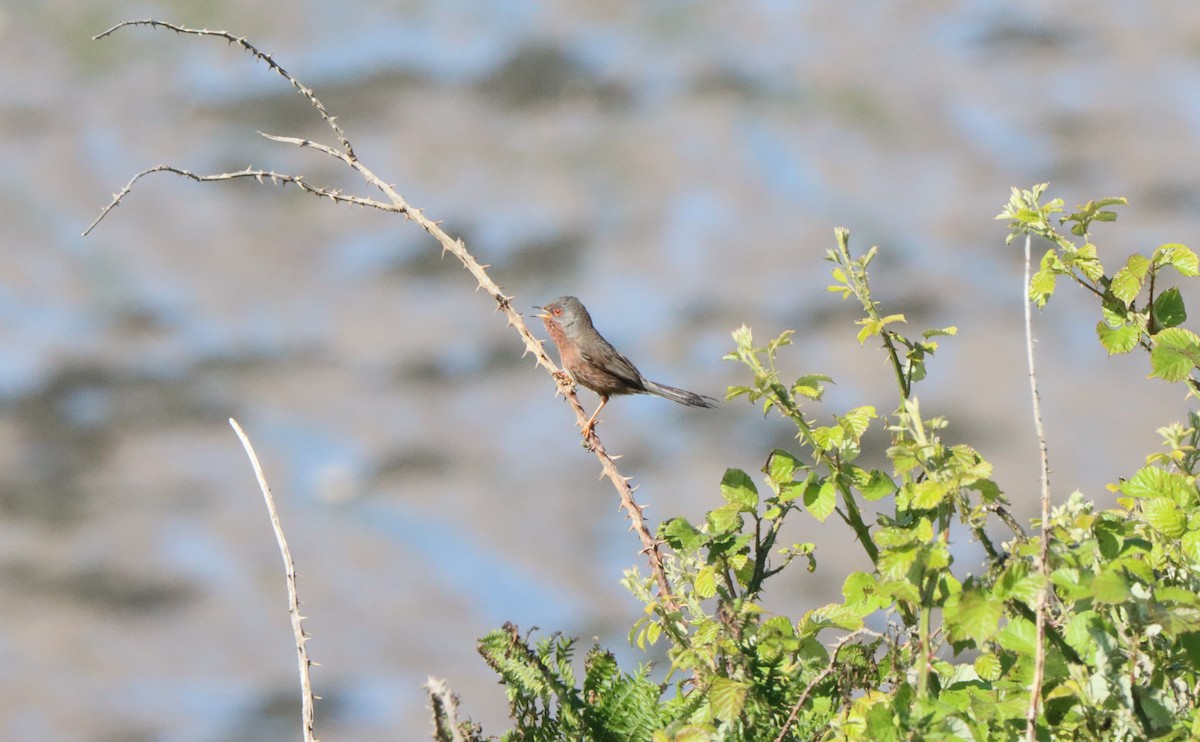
(1168, 309)
(706, 581)
(1078, 632)
(987, 666)
(726, 698)
(738, 489)
(821, 501)
(1110, 586)
(1117, 340)
(781, 466)
(974, 615)
(1108, 538)
(1165, 516)
(1191, 645)
(695, 733)
(1127, 282)
(951, 330)
(928, 494)
(894, 564)
(1042, 283)
(1175, 353)
(1019, 636)
(877, 487)
(1151, 481)
(827, 438)
(1085, 260)
(875, 326)
(856, 586)
(681, 535)
(1181, 258)
(811, 386)
(857, 421)
(1041, 287)
(726, 519)
(881, 724)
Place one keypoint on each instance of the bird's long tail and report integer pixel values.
(682, 396)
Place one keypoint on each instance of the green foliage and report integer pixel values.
(1134, 310)
(917, 647)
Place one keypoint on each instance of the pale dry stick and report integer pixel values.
(445, 709)
(266, 58)
(289, 567)
(397, 204)
(332, 194)
(1039, 657)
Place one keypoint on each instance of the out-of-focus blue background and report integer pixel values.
(679, 166)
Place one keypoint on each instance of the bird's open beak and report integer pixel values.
(543, 314)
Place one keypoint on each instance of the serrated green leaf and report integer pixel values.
(928, 494)
(1117, 340)
(1110, 586)
(987, 666)
(892, 536)
(1019, 636)
(877, 487)
(857, 587)
(1165, 516)
(726, 519)
(1183, 596)
(811, 386)
(1180, 257)
(682, 535)
(1174, 354)
(1041, 287)
(1168, 309)
(1151, 481)
(974, 616)
(1127, 282)
(781, 466)
(738, 489)
(1079, 632)
(1108, 538)
(726, 698)
(857, 421)
(821, 501)
(706, 581)
(895, 563)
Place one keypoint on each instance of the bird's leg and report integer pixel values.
(591, 423)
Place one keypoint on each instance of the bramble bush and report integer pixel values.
(919, 647)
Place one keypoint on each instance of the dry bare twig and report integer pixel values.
(396, 203)
(306, 694)
(444, 706)
(1043, 597)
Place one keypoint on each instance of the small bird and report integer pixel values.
(595, 364)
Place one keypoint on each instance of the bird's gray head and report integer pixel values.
(568, 312)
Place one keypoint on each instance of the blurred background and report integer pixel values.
(678, 166)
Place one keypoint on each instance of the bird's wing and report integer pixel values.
(608, 358)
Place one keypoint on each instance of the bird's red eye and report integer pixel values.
(557, 311)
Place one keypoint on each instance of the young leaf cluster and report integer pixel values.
(1135, 309)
